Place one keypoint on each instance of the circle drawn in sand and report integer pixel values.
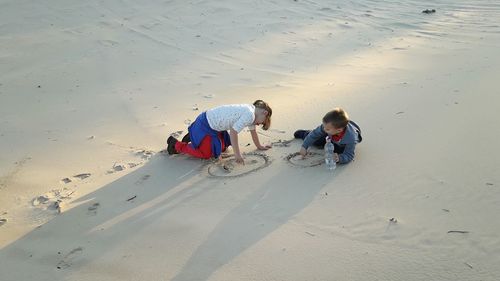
(313, 159)
(231, 169)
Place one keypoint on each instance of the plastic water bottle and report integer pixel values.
(329, 152)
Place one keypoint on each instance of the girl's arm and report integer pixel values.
(256, 141)
(233, 135)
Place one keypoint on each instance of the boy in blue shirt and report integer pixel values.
(344, 133)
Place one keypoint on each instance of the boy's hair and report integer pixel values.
(337, 117)
(264, 105)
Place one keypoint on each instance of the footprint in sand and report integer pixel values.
(92, 210)
(143, 179)
(82, 176)
(42, 199)
(177, 134)
(68, 260)
(313, 159)
(132, 165)
(66, 180)
(230, 169)
(3, 221)
(117, 168)
(147, 154)
(53, 200)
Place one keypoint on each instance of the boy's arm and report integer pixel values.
(348, 154)
(313, 136)
(256, 141)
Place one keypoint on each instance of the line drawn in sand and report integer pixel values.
(69, 258)
(282, 143)
(230, 169)
(313, 159)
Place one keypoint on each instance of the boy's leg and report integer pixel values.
(302, 134)
(204, 151)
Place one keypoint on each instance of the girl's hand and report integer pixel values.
(264, 147)
(239, 160)
(336, 157)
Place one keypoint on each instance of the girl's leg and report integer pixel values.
(221, 138)
(186, 138)
(204, 151)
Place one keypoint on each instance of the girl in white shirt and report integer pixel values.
(216, 129)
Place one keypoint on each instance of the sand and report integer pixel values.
(89, 92)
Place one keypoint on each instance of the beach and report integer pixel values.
(90, 91)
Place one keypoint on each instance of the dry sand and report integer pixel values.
(89, 91)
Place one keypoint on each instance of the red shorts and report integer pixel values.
(203, 151)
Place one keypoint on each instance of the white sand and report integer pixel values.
(117, 77)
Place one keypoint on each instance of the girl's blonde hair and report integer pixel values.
(264, 105)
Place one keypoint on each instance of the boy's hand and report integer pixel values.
(239, 160)
(264, 147)
(336, 157)
(303, 152)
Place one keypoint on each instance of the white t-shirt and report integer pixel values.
(235, 116)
